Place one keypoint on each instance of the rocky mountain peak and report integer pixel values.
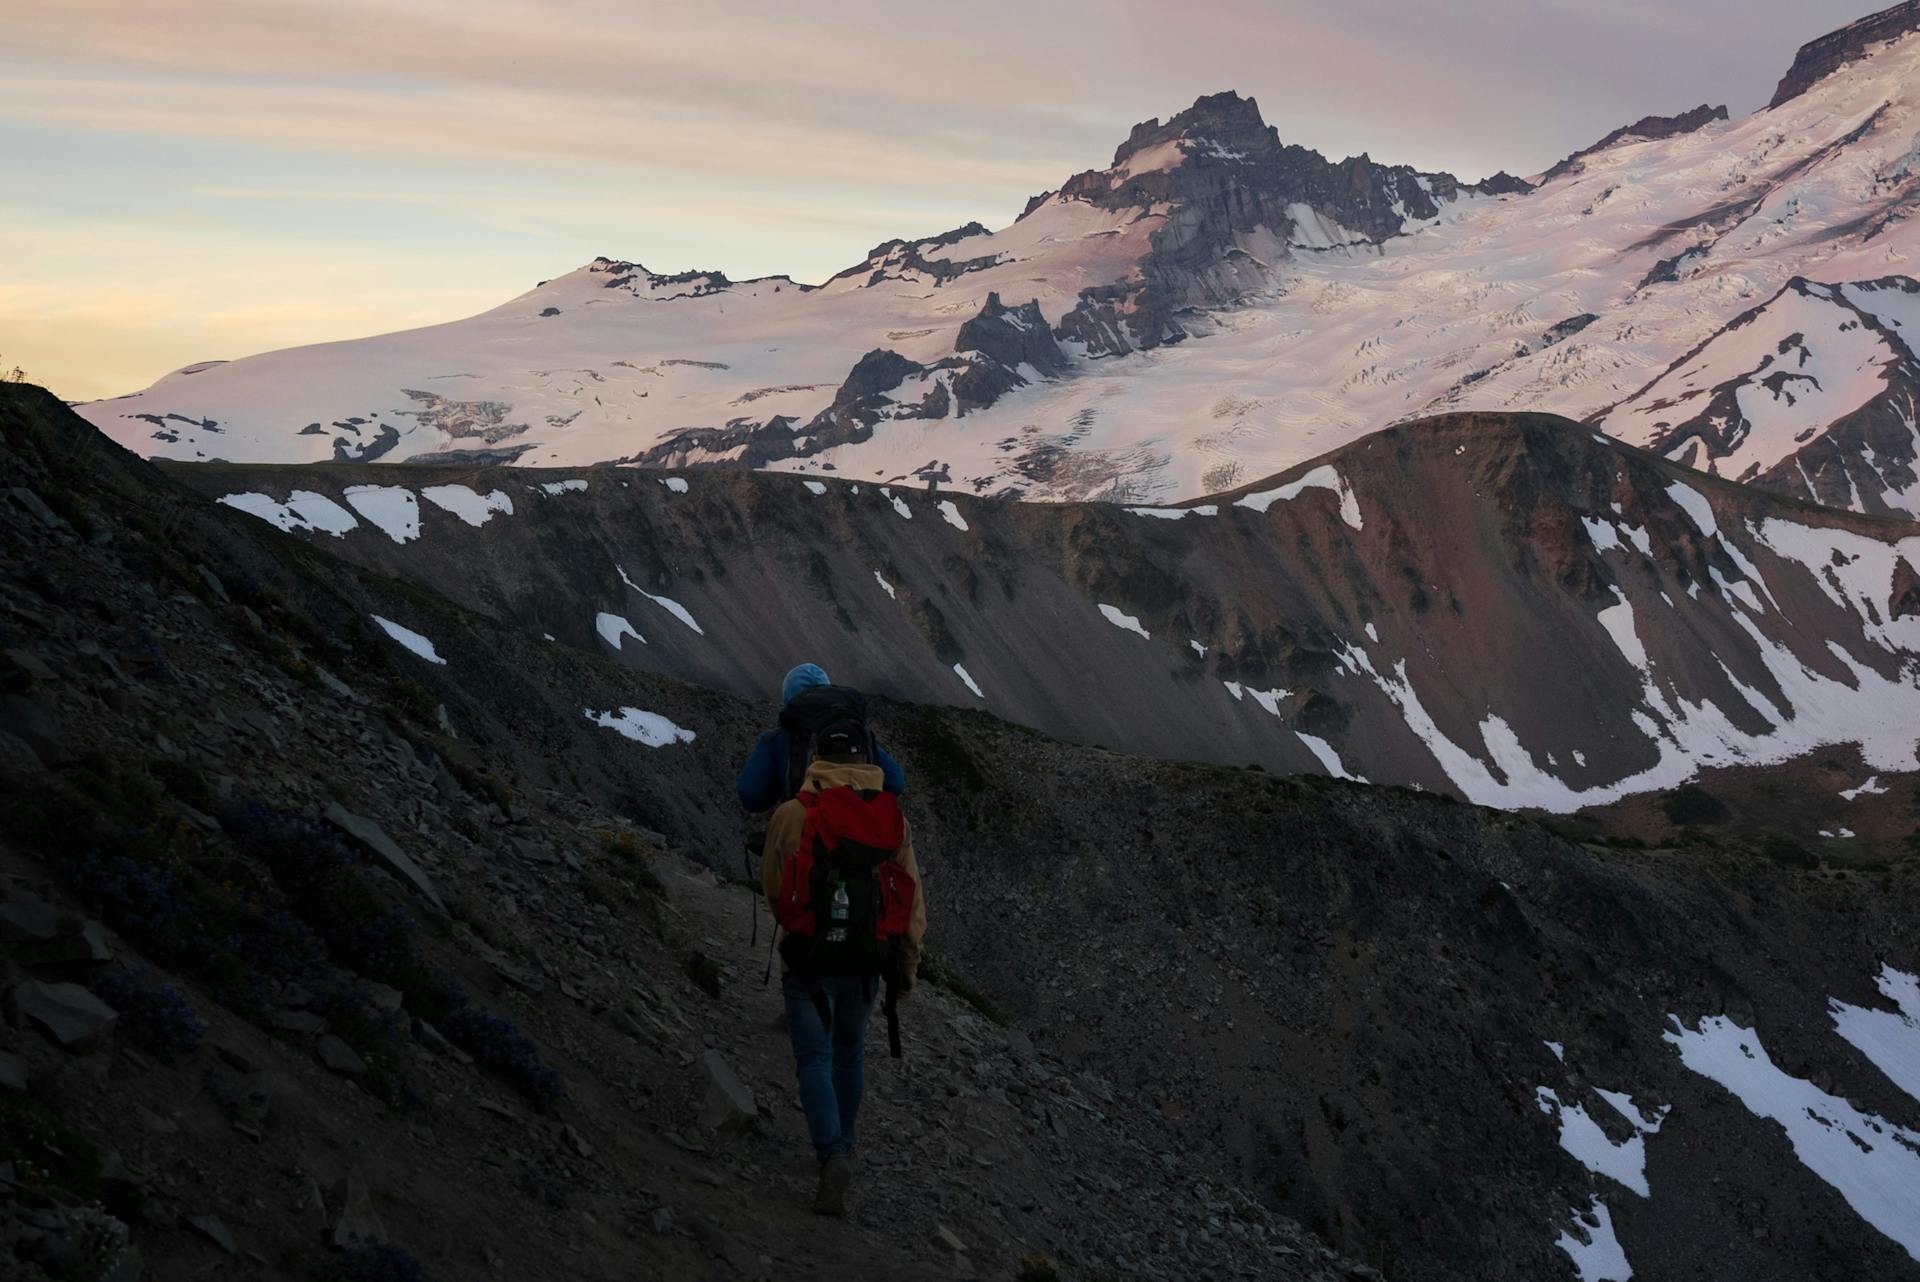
(1223, 118)
(1820, 58)
(1642, 130)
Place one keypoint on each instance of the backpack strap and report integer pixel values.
(799, 757)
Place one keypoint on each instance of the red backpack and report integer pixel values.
(844, 895)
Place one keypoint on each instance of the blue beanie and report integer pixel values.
(804, 677)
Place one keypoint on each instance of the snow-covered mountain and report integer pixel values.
(1812, 393)
(1214, 305)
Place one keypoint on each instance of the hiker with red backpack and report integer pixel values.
(839, 871)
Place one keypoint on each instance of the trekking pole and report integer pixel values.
(746, 867)
(892, 1009)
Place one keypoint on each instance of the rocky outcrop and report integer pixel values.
(997, 350)
(1820, 58)
(1641, 130)
(1011, 337)
(1812, 394)
(907, 259)
(1235, 197)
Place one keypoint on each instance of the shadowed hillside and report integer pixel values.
(393, 933)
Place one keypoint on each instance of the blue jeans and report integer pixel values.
(830, 1061)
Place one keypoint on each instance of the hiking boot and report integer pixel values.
(835, 1175)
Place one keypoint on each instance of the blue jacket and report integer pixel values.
(763, 780)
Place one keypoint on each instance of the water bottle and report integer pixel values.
(837, 934)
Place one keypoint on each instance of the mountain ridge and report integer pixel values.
(1426, 606)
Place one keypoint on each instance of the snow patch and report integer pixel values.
(678, 484)
(885, 586)
(1269, 699)
(411, 640)
(641, 726)
(1599, 1258)
(1871, 788)
(1329, 759)
(668, 604)
(952, 514)
(563, 487)
(303, 510)
(1624, 1163)
(1323, 477)
(1604, 537)
(1617, 619)
(1890, 1038)
(1175, 513)
(1120, 619)
(390, 507)
(818, 487)
(612, 627)
(467, 504)
(971, 684)
(1871, 1162)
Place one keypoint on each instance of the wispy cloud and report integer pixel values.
(302, 196)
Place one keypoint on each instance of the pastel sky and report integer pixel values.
(183, 180)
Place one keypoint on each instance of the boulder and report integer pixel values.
(33, 665)
(432, 1039)
(340, 1057)
(299, 1021)
(234, 1052)
(730, 1105)
(35, 505)
(27, 918)
(358, 1222)
(372, 838)
(215, 1230)
(76, 941)
(214, 585)
(67, 1013)
(35, 724)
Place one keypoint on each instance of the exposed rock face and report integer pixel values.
(729, 1102)
(1639, 131)
(635, 279)
(1011, 337)
(1822, 57)
(907, 259)
(1237, 201)
(69, 1014)
(1813, 393)
(994, 352)
(371, 837)
(1507, 607)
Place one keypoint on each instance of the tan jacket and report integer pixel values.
(783, 838)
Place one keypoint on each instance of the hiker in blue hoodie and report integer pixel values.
(779, 759)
